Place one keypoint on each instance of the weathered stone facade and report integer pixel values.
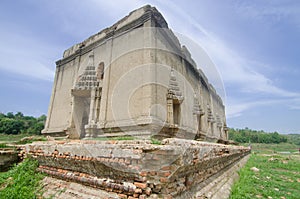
(134, 78)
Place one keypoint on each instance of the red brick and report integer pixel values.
(156, 157)
(167, 168)
(143, 173)
(122, 196)
(164, 174)
(138, 191)
(140, 179)
(148, 191)
(142, 197)
(130, 197)
(163, 180)
(140, 185)
(127, 161)
(152, 173)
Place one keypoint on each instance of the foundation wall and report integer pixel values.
(138, 168)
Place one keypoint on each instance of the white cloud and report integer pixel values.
(295, 104)
(235, 110)
(236, 70)
(235, 107)
(24, 51)
(270, 12)
(25, 55)
(28, 67)
(241, 71)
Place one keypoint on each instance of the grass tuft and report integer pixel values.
(22, 181)
(113, 138)
(155, 141)
(3, 145)
(28, 140)
(278, 175)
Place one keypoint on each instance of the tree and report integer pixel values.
(36, 128)
(246, 135)
(18, 123)
(42, 118)
(10, 115)
(11, 126)
(19, 115)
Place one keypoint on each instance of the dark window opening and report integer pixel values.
(176, 113)
(199, 123)
(100, 71)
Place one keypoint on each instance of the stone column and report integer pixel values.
(97, 105)
(92, 107)
(196, 119)
(170, 117)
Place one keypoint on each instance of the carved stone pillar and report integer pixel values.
(92, 107)
(97, 104)
(170, 117)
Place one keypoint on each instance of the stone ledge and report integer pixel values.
(8, 157)
(168, 170)
(62, 189)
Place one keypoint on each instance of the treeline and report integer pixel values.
(11, 123)
(247, 135)
(294, 138)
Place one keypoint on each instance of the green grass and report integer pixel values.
(3, 145)
(17, 139)
(155, 141)
(22, 181)
(11, 138)
(274, 148)
(30, 140)
(278, 176)
(113, 138)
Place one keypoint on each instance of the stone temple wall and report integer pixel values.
(138, 169)
(134, 78)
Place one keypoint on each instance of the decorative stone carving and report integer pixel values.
(210, 117)
(174, 90)
(88, 79)
(219, 122)
(174, 99)
(197, 110)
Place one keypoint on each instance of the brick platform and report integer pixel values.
(137, 169)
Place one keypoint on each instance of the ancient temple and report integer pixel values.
(134, 78)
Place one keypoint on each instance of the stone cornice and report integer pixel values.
(136, 19)
(119, 28)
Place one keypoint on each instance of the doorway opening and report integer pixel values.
(176, 113)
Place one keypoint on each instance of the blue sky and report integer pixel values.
(253, 44)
